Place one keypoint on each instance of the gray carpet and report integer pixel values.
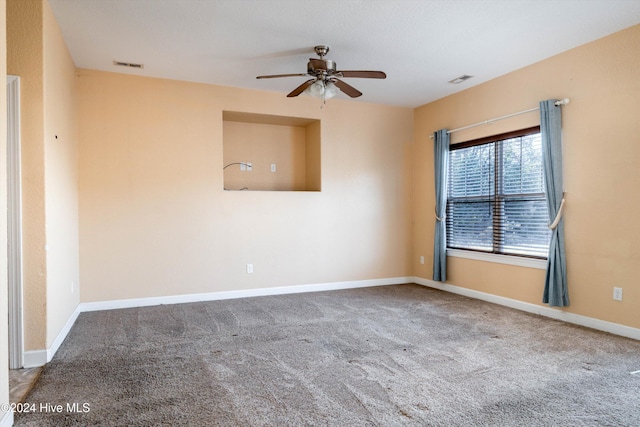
(394, 355)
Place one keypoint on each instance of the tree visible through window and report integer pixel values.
(496, 200)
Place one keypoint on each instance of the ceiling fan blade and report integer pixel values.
(281, 75)
(363, 74)
(347, 89)
(297, 91)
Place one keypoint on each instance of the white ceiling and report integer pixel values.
(420, 44)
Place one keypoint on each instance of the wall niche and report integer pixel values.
(270, 153)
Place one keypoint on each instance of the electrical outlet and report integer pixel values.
(249, 167)
(617, 294)
(273, 167)
(243, 167)
(421, 259)
(249, 268)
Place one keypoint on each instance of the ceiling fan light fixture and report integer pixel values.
(316, 89)
(330, 90)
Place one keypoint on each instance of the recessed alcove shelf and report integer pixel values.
(263, 152)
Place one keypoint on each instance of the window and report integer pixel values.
(495, 200)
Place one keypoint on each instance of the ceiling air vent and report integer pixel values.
(127, 64)
(460, 79)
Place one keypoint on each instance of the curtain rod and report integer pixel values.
(564, 101)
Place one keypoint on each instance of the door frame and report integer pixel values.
(14, 232)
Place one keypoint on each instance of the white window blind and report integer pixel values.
(496, 200)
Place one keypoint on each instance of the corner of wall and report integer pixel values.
(60, 178)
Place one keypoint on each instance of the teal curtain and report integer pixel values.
(555, 285)
(441, 168)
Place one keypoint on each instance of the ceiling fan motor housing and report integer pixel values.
(319, 67)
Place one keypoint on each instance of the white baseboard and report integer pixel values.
(7, 419)
(245, 293)
(35, 358)
(51, 351)
(554, 313)
(41, 357)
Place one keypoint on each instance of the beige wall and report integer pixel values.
(25, 59)
(155, 220)
(262, 145)
(4, 336)
(61, 178)
(36, 52)
(601, 150)
(313, 155)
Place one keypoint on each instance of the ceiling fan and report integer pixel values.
(326, 78)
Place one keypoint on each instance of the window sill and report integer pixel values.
(501, 259)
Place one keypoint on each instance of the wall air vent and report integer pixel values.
(460, 79)
(127, 64)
